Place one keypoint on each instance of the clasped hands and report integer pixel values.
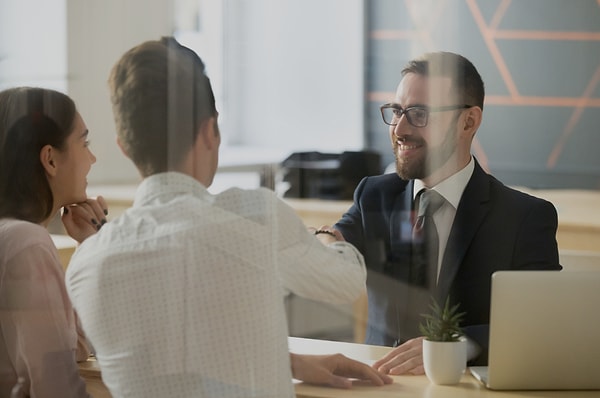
(326, 234)
(84, 219)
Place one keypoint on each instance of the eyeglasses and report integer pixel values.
(417, 116)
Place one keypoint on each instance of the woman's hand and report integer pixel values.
(84, 219)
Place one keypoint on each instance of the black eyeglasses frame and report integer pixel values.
(422, 108)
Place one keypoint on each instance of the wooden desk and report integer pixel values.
(90, 371)
(403, 386)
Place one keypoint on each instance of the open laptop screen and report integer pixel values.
(544, 330)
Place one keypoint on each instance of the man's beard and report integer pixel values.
(433, 159)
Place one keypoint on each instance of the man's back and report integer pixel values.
(178, 289)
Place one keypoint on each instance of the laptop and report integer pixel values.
(544, 331)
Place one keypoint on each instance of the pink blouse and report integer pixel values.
(40, 338)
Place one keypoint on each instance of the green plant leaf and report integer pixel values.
(442, 324)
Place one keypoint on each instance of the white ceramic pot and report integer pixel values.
(444, 362)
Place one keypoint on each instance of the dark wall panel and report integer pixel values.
(540, 60)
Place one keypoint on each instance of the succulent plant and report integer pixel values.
(443, 323)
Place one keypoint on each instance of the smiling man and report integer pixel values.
(479, 225)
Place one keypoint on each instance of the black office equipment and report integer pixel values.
(328, 175)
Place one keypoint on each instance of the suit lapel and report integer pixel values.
(472, 209)
(400, 217)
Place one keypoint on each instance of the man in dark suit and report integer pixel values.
(482, 226)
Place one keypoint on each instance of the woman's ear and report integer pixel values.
(48, 159)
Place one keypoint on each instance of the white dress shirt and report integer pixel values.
(451, 189)
(182, 295)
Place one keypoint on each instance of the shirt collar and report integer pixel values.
(168, 184)
(452, 187)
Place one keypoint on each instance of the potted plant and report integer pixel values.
(444, 346)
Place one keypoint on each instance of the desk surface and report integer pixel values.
(403, 386)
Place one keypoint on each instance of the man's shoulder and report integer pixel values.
(91, 254)
(233, 199)
(516, 198)
(254, 192)
(87, 252)
(384, 184)
(519, 194)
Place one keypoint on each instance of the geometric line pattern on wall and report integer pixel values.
(490, 34)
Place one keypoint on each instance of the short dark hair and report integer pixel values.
(467, 81)
(30, 118)
(161, 95)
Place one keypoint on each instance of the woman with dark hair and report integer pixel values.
(44, 161)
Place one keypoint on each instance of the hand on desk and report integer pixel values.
(334, 370)
(84, 219)
(404, 359)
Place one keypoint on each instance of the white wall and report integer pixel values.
(295, 73)
(99, 32)
(292, 71)
(33, 43)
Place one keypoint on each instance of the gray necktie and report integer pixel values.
(424, 254)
